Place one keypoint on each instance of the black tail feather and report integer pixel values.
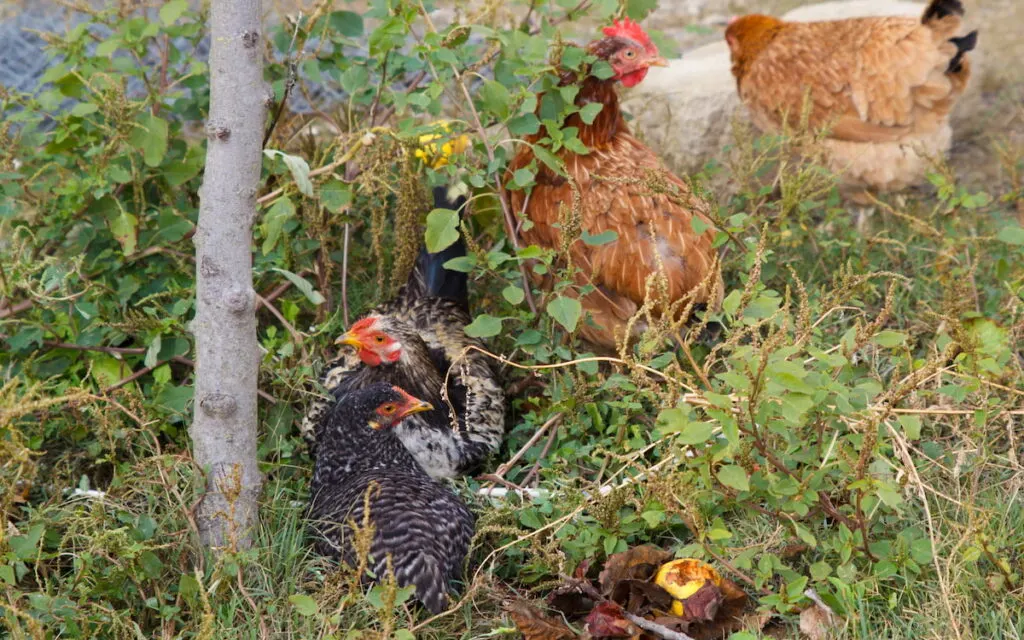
(429, 277)
(963, 45)
(938, 9)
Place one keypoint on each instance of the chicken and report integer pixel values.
(883, 86)
(419, 524)
(417, 341)
(661, 226)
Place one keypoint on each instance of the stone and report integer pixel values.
(686, 111)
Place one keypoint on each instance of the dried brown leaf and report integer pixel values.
(571, 599)
(817, 622)
(640, 597)
(607, 621)
(638, 563)
(703, 605)
(535, 625)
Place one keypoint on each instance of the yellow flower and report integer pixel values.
(428, 152)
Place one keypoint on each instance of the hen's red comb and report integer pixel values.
(362, 325)
(627, 28)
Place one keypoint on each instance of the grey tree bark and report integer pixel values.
(223, 429)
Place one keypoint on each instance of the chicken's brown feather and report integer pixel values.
(888, 81)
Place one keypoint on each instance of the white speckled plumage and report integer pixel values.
(436, 366)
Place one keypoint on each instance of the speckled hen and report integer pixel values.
(421, 525)
(417, 341)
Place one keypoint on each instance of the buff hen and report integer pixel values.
(883, 87)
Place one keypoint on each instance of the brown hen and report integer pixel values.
(883, 86)
(660, 225)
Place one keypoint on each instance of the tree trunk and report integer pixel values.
(227, 354)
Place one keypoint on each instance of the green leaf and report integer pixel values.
(442, 229)
(150, 136)
(1011, 234)
(549, 159)
(124, 226)
(820, 570)
(496, 99)
(299, 169)
(107, 370)
(889, 339)
(402, 596)
(152, 352)
(189, 587)
(24, 547)
(463, 264)
(731, 304)
(888, 494)
(718, 533)
(638, 9)
(513, 294)
(524, 125)
(602, 70)
(530, 519)
(911, 426)
(273, 222)
(335, 196)
(599, 239)
(303, 604)
(735, 477)
(610, 543)
(107, 48)
(805, 534)
(171, 11)
(677, 420)
(522, 178)
(119, 174)
(576, 145)
(990, 338)
(921, 550)
(483, 326)
(347, 23)
(152, 566)
(84, 109)
(7, 574)
(565, 311)
(698, 225)
(303, 285)
(589, 112)
(355, 78)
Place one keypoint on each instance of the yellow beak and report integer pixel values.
(658, 62)
(419, 407)
(349, 339)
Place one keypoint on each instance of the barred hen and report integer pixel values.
(417, 341)
(423, 528)
(883, 86)
(661, 226)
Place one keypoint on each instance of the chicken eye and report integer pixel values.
(388, 409)
(629, 53)
(379, 339)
